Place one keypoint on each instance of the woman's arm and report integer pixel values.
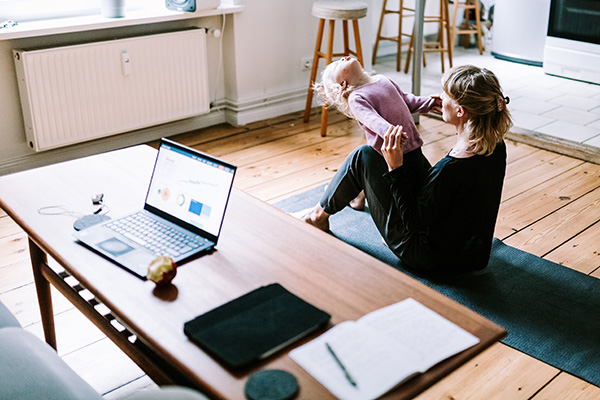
(406, 202)
(415, 209)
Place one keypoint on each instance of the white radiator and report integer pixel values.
(83, 92)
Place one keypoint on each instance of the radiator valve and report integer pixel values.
(214, 32)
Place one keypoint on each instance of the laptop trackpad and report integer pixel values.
(134, 259)
(115, 247)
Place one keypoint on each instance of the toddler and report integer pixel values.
(377, 103)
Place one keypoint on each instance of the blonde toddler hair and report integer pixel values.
(478, 91)
(332, 93)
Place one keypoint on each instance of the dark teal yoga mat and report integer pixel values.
(551, 312)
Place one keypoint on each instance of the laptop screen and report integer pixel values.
(190, 186)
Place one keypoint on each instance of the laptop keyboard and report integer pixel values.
(155, 236)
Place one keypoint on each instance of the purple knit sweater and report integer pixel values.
(378, 105)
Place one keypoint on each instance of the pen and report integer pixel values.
(339, 362)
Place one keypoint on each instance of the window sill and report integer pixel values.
(93, 22)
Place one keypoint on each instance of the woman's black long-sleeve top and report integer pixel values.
(449, 224)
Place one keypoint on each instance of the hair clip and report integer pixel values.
(501, 102)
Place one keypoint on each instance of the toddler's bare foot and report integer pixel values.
(314, 216)
(359, 202)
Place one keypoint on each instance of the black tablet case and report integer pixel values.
(255, 325)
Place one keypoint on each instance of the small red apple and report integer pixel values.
(162, 270)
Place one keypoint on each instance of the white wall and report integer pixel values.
(261, 75)
(268, 42)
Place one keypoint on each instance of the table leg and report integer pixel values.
(39, 260)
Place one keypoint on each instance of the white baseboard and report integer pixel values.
(34, 160)
(264, 108)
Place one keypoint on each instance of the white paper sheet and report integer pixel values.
(382, 349)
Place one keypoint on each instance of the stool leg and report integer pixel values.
(399, 48)
(467, 38)
(313, 73)
(346, 38)
(376, 46)
(400, 18)
(441, 38)
(409, 53)
(359, 54)
(446, 19)
(324, 112)
(478, 26)
(329, 54)
(328, 59)
(441, 35)
(454, 14)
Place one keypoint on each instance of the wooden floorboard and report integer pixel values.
(553, 230)
(520, 212)
(498, 373)
(550, 207)
(581, 253)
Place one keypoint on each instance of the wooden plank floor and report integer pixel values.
(550, 207)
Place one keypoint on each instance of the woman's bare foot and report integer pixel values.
(359, 202)
(315, 216)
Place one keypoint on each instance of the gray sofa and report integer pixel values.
(30, 369)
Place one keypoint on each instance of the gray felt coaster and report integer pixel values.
(271, 384)
(89, 220)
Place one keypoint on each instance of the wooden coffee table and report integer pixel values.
(259, 245)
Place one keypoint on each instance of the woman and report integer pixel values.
(448, 222)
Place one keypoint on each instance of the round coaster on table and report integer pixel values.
(89, 220)
(271, 384)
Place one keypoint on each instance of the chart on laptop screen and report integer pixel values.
(190, 187)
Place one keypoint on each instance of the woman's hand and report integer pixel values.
(393, 147)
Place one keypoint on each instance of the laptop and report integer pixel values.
(182, 215)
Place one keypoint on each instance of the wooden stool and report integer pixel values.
(332, 10)
(402, 12)
(440, 46)
(467, 28)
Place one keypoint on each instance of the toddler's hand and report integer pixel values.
(437, 104)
